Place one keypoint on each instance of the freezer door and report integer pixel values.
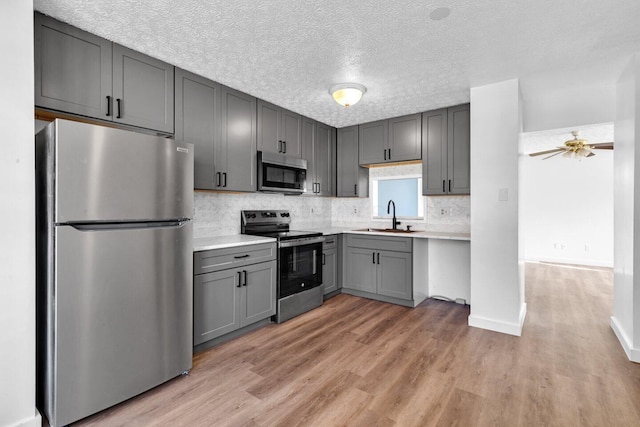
(105, 174)
(123, 315)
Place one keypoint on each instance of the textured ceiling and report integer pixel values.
(290, 52)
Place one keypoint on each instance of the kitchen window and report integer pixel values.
(405, 191)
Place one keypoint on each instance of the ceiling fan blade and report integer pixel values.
(540, 153)
(602, 145)
(553, 155)
(590, 154)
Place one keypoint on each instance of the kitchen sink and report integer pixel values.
(387, 230)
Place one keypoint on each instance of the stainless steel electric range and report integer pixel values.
(300, 286)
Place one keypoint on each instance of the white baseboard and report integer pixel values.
(35, 421)
(632, 353)
(577, 261)
(499, 326)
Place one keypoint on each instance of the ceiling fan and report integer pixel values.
(576, 148)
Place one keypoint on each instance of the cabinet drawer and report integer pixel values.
(330, 242)
(392, 243)
(219, 259)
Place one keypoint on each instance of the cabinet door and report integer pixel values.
(269, 138)
(309, 153)
(143, 90)
(72, 69)
(198, 122)
(330, 270)
(373, 144)
(352, 180)
(216, 305)
(434, 153)
(394, 274)
(458, 141)
(360, 269)
(324, 160)
(291, 131)
(237, 148)
(259, 288)
(405, 141)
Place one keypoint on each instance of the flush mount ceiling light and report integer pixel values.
(347, 94)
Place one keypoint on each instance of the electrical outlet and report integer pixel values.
(355, 211)
(443, 211)
(450, 211)
(586, 248)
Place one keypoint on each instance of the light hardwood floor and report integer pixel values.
(357, 362)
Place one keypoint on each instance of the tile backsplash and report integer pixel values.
(218, 214)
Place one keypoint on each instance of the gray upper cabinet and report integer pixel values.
(373, 142)
(143, 90)
(458, 149)
(392, 140)
(405, 140)
(318, 149)
(198, 122)
(445, 146)
(221, 123)
(279, 130)
(237, 148)
(352, 180)
(72, 69)
(80, 73)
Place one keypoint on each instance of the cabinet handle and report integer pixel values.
(108, 105)
(323, 259)
(378, 257)
(355, 189)
(217, 179)
(224, 179)
(284, 147)
(443, 190)
(449, 186)
(241, 256)
(385, 154)
(318, 188)
(239, 279)
(280, 146)
(389, 153)
(245, 277)
(118, 101)
(373, 257)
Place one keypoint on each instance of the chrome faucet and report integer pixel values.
(394, 222)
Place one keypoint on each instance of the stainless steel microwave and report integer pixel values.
(278, 173)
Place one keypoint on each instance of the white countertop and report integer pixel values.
(219, 242)
(432, 232)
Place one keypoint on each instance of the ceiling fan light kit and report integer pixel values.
(347, 94)
(575, 148)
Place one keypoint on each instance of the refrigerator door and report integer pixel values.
(122, 312)
(105, 174)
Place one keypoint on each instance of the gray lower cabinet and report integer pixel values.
(446, 151)
(279, 130)
(318, 149)
(237, 289)
(330, 264)
(221, 123)
(378, 266)
(79, 73)
(352, 180)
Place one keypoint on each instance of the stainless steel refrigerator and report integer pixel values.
(114, 266)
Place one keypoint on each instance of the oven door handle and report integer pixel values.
(301, 242)
(315, 259)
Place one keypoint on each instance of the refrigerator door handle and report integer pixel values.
(127, 225)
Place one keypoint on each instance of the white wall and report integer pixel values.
(497, 289)
(566, 210)
(17, 245)
(626, 299)
(553, 104)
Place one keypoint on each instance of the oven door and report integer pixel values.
(300, 266)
